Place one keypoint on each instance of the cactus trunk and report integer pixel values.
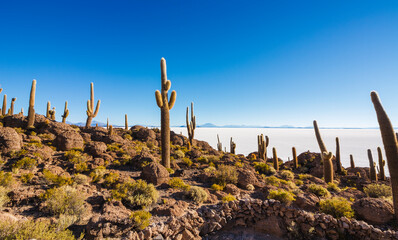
(191, 125)
(11, 111)
(295, 160)
(232, 146)
(219, 144)
(262, 146)
(275, 159)
(31, 111)
(382, 163)
(66, 112)
(4, 109)
(126, 123)
(327, 167)
(352, 163)
(338, 160)
(372, 167)
(90, 107)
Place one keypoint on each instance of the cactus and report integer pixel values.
(52, 114)
(295, 160)
(90, 107)
(352, 163)
(31, 111)
(126, 123)
(219, 144)
(232, 146)
(327, 165)
(191, 125)
(275, 159)
(21, 111)
(4, 109)
(165, 106)
(48, 110)
(338, 160)
(372, 167)
(262, 146)
(110, 130)
(107, 124)
(382, 163)
(66, 112)
(11, 110)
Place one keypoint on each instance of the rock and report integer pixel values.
(246, 177)
(144, 157)
(194, 153)
(271, 225)
(10, 140)
(307, 201)
(69, 140)
(155, 173)
(96, 148)
(374, 210)
(171, 208)
(177, 139)
(232, 189)
(143, 134)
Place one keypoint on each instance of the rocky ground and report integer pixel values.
(85, 182)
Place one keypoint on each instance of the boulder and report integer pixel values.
(155, 173)
(246, 177)
(232, 189)
(69, 140)
(171, 208)
(10, 140)
(374, 210)
(307, 201)
(96, 148)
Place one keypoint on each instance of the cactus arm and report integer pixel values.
(92, 94)
(172, 99)
(328, 166)
(381, 164)
(158, 97)
(89, 109)
(97, 108)
(319, 138)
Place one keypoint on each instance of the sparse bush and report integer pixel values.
(287, 175)
(3, 196)
(115, 147)
(178, 183)
(378, 190)
(137, 194)
(6, 179)
(127, 137)
(250, 187)
(282, 196)
(264, 168)
(272, 180)
(197, 194)
(333, 187)
(210, 169)
(141, 219)
(228, 198)
(187, 161)
(299, 182)
(81, 179)
(98, 173)
(226, 174)
(337, 207)
(25, 163)
(238, 164)
(179, 154)
(170, 170)
(217, 187)
(111, 179)
(304, 176)
(59, 180)
(318, 190)
(26, 177)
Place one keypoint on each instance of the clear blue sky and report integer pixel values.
(241, 62)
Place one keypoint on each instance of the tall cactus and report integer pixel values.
(31, 111)
(11, 110)
(107, 124)
(327, 163)
(90, 107)
(110, 130)
(52, 114)
(352, 163)
(295, 160)
(219, 144)
(66, 112)
(232, 146)
(165, 106)
(191, 125)
(382, 163)
(126, 123)
(275, 159)
(338, 160)
(372, 167)
(4, 109)
(48, 110)
(262, 146)
(390, 146)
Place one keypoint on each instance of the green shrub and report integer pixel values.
(178, 183)
(318, 190)
(81, 179)
(217, 187)
(170, 170)
(137, 194)
(141, 219)
(226, 174)
(127, 137)
(299, 182)
(333, 187)
(179, 154)
(272, 180)
(26, 177)
(304, 176)
(378, 190)
(287, 175)
(28, 229)
(115, 147)
(25, 163)
(197, 194)
(56, 179)
(228, 198)
(6, 179)
(187, 161)
(98, 173)
(78, 159)
(264, 168)
(3, 196)
(111, 179)
(210, 169)
(250, 187)
(282, 196)
(239, 164)
(337, 207)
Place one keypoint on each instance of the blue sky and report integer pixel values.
(241, 62)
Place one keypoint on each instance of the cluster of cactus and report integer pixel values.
(165, 106)
(90, 107)
(372, 167)
(50, 113)
(66, 112)
(31, 111)
(295, 160)
(191, 125)
(275, 159)
(3, 110)
(219, 144)
(326, 156)
(11, 110)
(232, 146)
(262, 146)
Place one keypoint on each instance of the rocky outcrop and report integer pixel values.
(374, 210)
(68, 140)
(155, 173)
(246, 177)
(95, 148)
(10, 140)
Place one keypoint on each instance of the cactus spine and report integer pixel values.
(372, 167)
(4, 109)
(191, 125)
(382, 163)
(126, 123)
(31, 111)
(262, 146)
(232, 146)
(352, 161)
(327, 163)
(11, 110)
(90, 106)
(219, 144)
(66, 112)
(275, 159)
(165, 106)
(295, 160)
(338, 160)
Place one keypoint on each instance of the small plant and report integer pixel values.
(304, 176)
(197, 194)
(250, 187)
(98, 173)
(333, 187)
(337, 207)
(226, 174)
(26, 177)
(3, 196)
(178, 183)
(210, 169)
(141, 219)
(111, 179)
(217, 187)
(59, 180)
(318, 190)
(170, 170)
(25, 163)
(282, 196)
(6, 179)
(137, 194)
(272, 180)
(179, 154)
(287, 175)
(127, 137)
(239, 164)
(228, 198)
(81, 179)
(378, 190)
(264, 168)
(299, 182)
(187, 161)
